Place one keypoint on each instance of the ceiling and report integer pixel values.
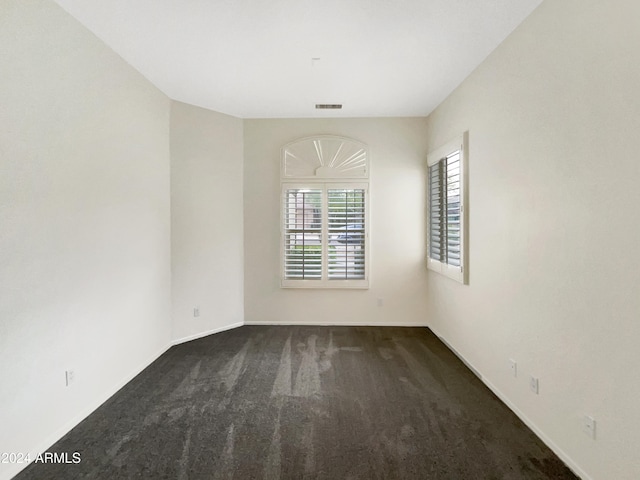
(278, 58)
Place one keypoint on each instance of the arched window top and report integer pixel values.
(325, 157)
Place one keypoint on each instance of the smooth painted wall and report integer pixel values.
(84, 224)
(206, 221)
(553, 118)
(397, 232)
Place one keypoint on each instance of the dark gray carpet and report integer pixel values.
(305, 403)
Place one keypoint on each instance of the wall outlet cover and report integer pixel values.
(589, 426)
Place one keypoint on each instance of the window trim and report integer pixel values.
(325, 282)
(459, 274)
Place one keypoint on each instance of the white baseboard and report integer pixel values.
(460, 357)
(526, 420)
(44, 445)
(341, 324)
(207, 333)
(547, 441)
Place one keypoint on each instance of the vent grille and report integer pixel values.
(328, 106)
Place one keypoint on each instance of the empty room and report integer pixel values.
(320, 239)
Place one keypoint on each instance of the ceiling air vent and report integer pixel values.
(328, 106)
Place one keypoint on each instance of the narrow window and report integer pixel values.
(447, 221)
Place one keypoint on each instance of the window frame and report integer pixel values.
(461, 273)
(325, 282)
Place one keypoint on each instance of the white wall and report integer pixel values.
(206, 221)
(398, 151)
(553, 116)
(84, 216)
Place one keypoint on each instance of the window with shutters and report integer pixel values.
(325, 239)
(447, 218)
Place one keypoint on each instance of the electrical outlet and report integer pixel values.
(196, 311)
(380, 302)
(533, 384)
(513, 365)
(589, 426)
(69, 376)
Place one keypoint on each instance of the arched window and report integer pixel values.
(325, 213)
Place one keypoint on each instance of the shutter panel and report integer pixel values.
(346, 234)
(445, 210)
(437, 202)
(303, 234)
(453, 208)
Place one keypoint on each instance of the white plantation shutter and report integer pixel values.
(346, 229)
(303, 234)
(437, 205)
(452, 238)
(446, 222)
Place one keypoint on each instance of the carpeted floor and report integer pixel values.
(305, 403)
